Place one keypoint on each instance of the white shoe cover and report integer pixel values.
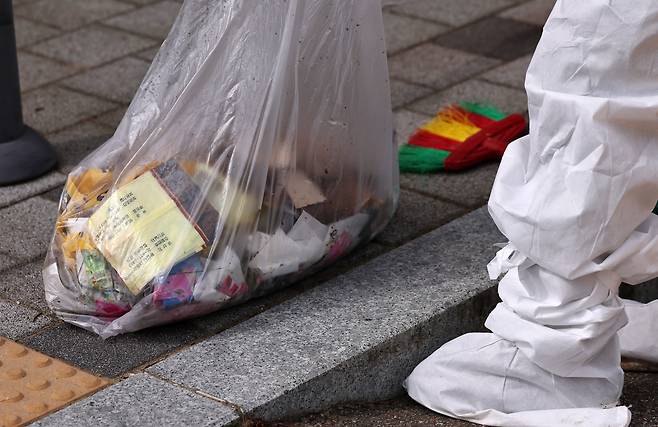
(554, 355)
(639, 338)
(474, 373)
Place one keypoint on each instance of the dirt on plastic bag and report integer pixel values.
(258, 149)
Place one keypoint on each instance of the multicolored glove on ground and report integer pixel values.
(459, 137)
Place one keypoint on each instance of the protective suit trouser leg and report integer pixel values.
(574, 198)
(639, 338)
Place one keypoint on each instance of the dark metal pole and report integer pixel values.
(24, 154)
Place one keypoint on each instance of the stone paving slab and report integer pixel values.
(507, 99)
(533, 12)
(27, 228)
(114, 357)
(403, 32)
(70, 14)
(403, 93)
(17, 321)
(154, 20)
(452, 12)
(436, 66)
(92, 46)
(102, 82)
(494, 37)
(511, 73)
(470, 188)
(72, 145)
(420, 215)
(7, 262)
(225, 319)
(23, 285)
(28, 32)
(142, 400)
(11, 194)
(36, 71)
(358, 335)
(53, 108)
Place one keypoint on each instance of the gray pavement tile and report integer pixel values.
(52, 108)
(226, 318)
(116, 81)
(470, 188)
(92, 46)
(494, 37)
(28, 32)
(24, 284)
(148, 54)
(507, 99)
(11, 194)
(142, 400)
(402, 93)
(36, 71)
(406, 122)
(75, 143)
(17, 321)
(113, 118)
(7, 262)
(416, 216)
(27, 228)
(154, 20)
(511, 74)
(358, 335)
(115, 356)
(437, 66)
(403, 32)
(453, 12)
(70, 14)
(533, 12)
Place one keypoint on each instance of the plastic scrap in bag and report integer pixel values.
(258, 149)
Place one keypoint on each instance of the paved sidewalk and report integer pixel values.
(82, 60)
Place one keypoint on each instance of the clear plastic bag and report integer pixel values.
(257, 150)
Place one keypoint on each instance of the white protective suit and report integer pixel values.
(574, 198)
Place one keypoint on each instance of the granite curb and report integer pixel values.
(354, 338)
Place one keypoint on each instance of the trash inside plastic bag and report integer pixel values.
(258, 149)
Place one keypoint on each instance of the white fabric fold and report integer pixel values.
(639, 338)
(574, 198)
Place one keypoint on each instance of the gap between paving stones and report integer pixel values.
(239, 411)
(471, 77)
(496, 12)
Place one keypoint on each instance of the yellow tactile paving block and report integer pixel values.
(33, 384)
